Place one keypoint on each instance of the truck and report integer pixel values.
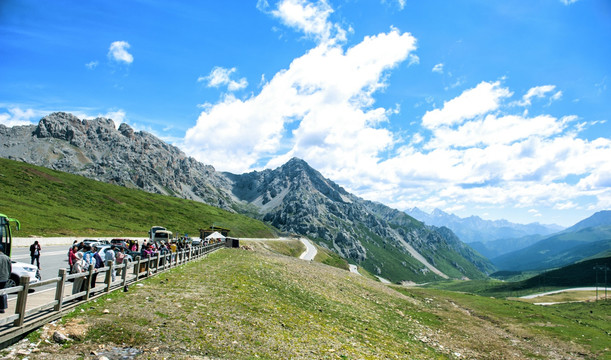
(18, 268)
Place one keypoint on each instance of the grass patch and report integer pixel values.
(293, 248)
(330, 258)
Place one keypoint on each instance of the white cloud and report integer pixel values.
(413, 59)
(310, 18)
(482, 99)
(118, 52)
(14, 116)
(568, 2)
(91, 65)
(220, 77)
(327, 93)
(438, 68)
(539, 92)
(400, 3)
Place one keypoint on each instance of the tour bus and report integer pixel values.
(18, 268)
(154, 230)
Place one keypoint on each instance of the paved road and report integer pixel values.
(310, 252)
(354, 269)
(564, 290)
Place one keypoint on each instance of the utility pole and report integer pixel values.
(604, 268)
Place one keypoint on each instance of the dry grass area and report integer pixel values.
(239, 304)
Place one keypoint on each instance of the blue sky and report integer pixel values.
(491, 108)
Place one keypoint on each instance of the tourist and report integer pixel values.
(98, 263)
(109, 254)
(120, 256)
(35, 253)
(79, 266)
(72, 256)
(88, 255)
(5, 272)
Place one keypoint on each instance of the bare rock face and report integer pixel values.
(98, 150)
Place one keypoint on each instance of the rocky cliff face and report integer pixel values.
(98, 150)
(294, 198)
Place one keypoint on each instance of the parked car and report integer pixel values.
(20, 269)
(129, 255)
(90, 242)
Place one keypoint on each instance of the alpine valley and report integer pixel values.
(294, 198)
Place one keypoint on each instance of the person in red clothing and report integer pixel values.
(72, 256)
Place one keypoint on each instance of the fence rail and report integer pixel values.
(31, 313)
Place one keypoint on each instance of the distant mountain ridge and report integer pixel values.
(600, 218)
(294, 197)
(475, 229)
(588, 238)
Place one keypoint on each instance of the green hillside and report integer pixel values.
(558, 250)
(259, 304)
(53, 203)
(581, 274)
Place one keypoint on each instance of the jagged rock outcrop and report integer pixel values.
(98, 150)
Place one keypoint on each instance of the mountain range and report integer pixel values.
(490, 238)
(294, 198)
(589, 238)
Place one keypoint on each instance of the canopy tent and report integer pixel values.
(215, 235)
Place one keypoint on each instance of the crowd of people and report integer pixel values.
(81, 256)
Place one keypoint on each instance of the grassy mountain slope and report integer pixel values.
(581, 274)
(258, 304)
(53, 203)
(558, 250)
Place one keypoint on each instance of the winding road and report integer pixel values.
(310, 251)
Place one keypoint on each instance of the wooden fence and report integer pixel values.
(27, 318)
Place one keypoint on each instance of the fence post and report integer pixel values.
(147, 266)
(108, 278)
(89, 277)
(22, 299)
(124, 272)
(59, 291)
(137, 267)
(157, 262)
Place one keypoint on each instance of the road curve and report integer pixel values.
(310, 251)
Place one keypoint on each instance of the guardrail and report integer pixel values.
(24, 319)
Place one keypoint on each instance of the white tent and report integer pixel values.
(215, 235)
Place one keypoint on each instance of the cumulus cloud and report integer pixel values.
(118, 52)
(539, 92)
(14, 116)
(482, 99)
(327, 96)
(222, 77)
(310, 18)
